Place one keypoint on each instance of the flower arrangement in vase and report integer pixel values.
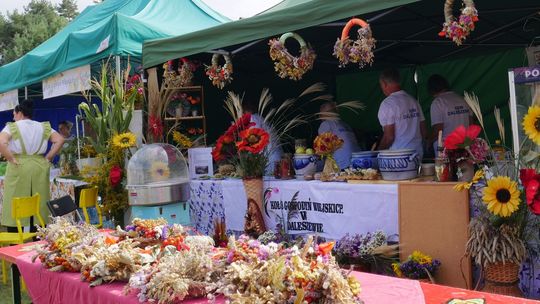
(504, 230)
(418, 266)
(325, 145)
(465, 149)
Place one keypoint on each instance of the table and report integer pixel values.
(328, 209)
(45, 286)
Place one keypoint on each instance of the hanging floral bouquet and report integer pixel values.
(505, 226)
(358, 51)
(417, 266)
(460, 29)
(220, 75)
(287, 65)
(325, 145)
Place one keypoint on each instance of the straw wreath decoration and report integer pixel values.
(287, 65)
(358, 51)
(459, 29)
(220, 75)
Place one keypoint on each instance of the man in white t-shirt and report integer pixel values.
(400, 115)
(334, 125)
(448, 109)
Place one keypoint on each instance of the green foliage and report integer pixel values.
(20, 32)
(110, 119)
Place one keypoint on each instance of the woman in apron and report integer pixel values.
(23, 143)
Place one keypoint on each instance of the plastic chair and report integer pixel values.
(88, 199)
(21, 207)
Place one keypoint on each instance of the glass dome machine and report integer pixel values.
(158, 184)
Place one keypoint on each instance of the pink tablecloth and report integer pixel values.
(45, 286)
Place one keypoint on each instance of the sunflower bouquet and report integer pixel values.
(504, 199)
(417, 266)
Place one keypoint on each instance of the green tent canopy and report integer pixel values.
(113, 27)
(289, 15)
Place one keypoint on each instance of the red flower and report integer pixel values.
(461, 137)
(531, 181)
(115, 175)
(155, 126)
(254, 140)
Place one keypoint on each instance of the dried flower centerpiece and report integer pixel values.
(369, 252)
(287, 65)
(255, 272)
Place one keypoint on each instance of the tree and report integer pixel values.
(22, 32)
(67, 9)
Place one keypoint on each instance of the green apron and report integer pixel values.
(31, 176)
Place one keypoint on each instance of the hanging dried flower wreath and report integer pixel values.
(358, 51)
(288, 65)
(460, 29)
(185, 72)
(220, 75)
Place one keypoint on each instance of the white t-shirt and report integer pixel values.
(274, 147)
(451, 110)
(343, 131)
(32, 134)
(403, 111)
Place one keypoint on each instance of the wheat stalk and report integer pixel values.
(474, 104)
(500, 123)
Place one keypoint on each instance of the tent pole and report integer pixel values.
(117, 58)
(245, 46)
(25, 92)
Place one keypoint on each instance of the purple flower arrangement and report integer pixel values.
(358, 245)
(417, 266)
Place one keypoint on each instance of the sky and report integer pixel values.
(232, 9)
(10, 5)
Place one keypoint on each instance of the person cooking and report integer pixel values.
(448, 109)
(24, 143)
(400, 115)
(332, 123)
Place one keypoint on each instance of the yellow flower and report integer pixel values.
(159, 171)
(182, 140)
(354, 285)
(467, 185)
(501, 196)
(397, 271)
(124, 140)
(531, 124)
(421, 258)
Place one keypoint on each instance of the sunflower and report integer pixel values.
(531, 124)
(501, 196)
(159, 171)
(124, 140)
(182, 140)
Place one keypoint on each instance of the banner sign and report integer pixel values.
(9, 100)
(326, 209)
(527, 74)
(70, 81)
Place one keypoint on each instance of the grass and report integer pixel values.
(6, 294)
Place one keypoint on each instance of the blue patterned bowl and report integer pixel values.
(304, 164)
(364, 160)
(398, 164)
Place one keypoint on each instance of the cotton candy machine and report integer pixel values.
(158, 184)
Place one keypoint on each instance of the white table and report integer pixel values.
(328, 209)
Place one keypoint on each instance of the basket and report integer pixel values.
(502, 278)
(502, 272)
